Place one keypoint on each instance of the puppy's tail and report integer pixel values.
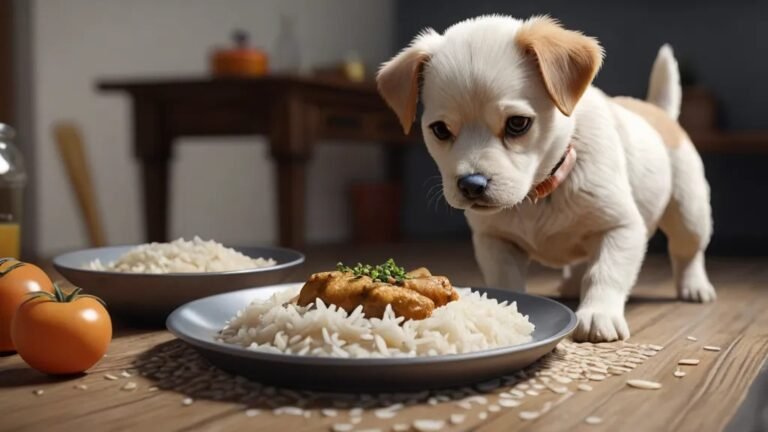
(664, 89)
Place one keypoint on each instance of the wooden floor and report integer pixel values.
(706, 399)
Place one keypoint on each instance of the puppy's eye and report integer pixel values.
(440, 129)
(517, 125)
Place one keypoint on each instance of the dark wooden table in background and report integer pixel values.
(294, 113)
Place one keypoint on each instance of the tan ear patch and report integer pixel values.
(671, 132)
(568, 61)
(398, 84)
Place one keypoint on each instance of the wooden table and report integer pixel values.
(295, 113)
(704, 400)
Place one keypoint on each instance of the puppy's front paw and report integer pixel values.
(700, 291)
(597, 325)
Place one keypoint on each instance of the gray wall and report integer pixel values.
(724, 43)
(720, 45)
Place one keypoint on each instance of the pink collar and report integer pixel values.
(556, 177)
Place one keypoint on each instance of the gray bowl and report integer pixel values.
(199, 322)
(149, 298)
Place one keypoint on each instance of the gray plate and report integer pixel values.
(149, 298)
(198, 322)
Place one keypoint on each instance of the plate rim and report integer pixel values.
(317, 361)
(300, 259)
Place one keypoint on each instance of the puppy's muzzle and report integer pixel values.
(473, 186)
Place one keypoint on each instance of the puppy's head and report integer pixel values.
(497, 95)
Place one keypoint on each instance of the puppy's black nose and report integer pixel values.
(473, 186)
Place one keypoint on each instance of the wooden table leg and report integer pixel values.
(155, 185)
(292, 198)
(152, 146)
(291, 137)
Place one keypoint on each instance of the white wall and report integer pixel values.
(222, 188)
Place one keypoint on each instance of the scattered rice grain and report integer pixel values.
(593, 420)
(428, 425)
(712, 348)
(384, 414)
(509, 403)
(644, 384)
(688, 362)
(480, 400)
(288, 410)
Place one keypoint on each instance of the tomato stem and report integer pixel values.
(11, 268)
(37, 294)
(59, 296)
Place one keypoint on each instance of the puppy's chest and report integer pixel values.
(549, 237)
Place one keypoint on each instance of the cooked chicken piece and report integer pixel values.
(420, 272)
(416, 298)
(348, 292)
(334, 288)
(405, 303)
(436, 288)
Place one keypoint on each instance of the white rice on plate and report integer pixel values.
(181, 256)
(472, 323)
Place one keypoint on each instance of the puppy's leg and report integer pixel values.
(503, 264)
(609, 276)
(687, 222)
(570, 286)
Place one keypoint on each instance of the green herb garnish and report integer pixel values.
(387, 272)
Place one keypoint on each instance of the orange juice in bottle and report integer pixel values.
(10, 240)
(12, 180)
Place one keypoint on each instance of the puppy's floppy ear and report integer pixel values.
(398, 79)
(568, 60)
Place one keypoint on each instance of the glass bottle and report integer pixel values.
(13, 177)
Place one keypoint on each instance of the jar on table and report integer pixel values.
(13, 178)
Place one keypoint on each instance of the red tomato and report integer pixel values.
(62, 333)
(17, 279)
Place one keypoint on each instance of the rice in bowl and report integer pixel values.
(472, 323)
(181, 256)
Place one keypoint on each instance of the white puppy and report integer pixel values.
(549, 168)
